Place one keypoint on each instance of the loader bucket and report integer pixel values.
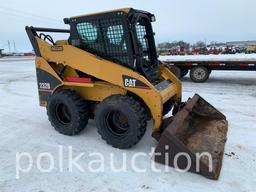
(197, 133)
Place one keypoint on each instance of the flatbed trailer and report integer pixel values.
(200, 68)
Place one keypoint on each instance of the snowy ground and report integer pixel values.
(25, 128)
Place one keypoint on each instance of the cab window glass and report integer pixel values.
(87, 31)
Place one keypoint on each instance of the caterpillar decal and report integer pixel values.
(131, 82)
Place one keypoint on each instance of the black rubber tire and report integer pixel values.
(135, 115)
(167, 107)
(199, 74)
(67, 112)
(176, 71)
(184, 72)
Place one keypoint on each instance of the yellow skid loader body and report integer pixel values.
(77, 59)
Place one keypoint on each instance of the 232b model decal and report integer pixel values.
(44, 85)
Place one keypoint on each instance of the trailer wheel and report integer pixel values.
(121, 121)
(176, 71)
(199, 74)
(67, 112)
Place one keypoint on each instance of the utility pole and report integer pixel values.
(14, 47)
(9, 46)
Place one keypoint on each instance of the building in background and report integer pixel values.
(242, 43)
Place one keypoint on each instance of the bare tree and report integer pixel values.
(173, 45)
(200, 44)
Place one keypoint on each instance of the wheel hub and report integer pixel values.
(63, 114)
(199, 74)
(117, 122)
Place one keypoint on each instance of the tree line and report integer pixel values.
(181, 44)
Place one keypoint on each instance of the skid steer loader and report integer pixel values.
(108, 70)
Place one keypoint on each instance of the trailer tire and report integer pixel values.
(176, 71)
(199, 74)
(121, 121)
(67, 112)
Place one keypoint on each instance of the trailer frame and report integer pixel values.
(182, 68)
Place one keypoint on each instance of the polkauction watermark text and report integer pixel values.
(67, 160)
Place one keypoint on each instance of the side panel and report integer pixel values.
(97, 92)
(47, 80)
(46, 83)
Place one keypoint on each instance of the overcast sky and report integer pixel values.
(189, 20)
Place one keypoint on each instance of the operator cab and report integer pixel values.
(123, 36)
